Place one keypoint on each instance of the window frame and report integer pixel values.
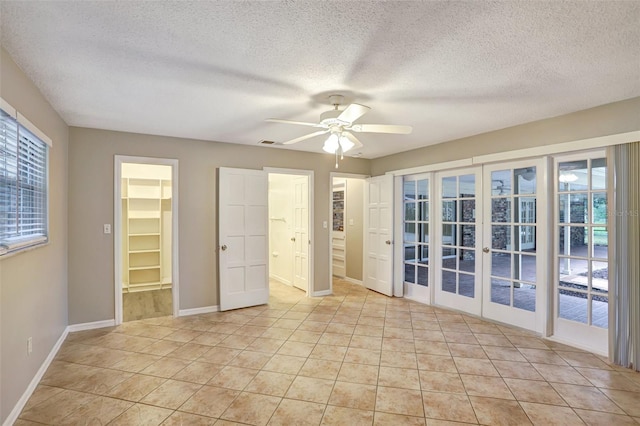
(17, 243)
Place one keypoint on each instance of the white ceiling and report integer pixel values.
(214, 70)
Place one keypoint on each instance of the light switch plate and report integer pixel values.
(324, 224)
(107, 228)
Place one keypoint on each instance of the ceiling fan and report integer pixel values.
(340, 124)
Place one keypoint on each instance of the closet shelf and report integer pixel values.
(146, 216)
(144, 251)
(143, 268)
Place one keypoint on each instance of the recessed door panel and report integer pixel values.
(378, 223)
(243, 240)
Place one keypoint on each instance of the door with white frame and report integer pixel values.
(416, 232)
(243, 238)
(378, 237)
(145, 236)
(581, 230)
(458, 278)
(513, 270)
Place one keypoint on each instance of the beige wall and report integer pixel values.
(33, 284)
(618, 117)
(355, 206)
(91, 157)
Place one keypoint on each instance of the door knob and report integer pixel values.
(486, 249)
(388, 242)
(224, 247)
(293, 239)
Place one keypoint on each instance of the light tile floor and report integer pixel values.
(354, 358)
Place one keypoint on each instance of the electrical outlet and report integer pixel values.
(107, 228)
(29, 346)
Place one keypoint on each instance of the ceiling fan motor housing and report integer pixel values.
(331, 117)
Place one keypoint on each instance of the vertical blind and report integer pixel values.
(23, 186)
(624, 317)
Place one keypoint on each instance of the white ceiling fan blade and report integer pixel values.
(302, 138)
(382, 128)
(356, 142)
(353, 112)
(301, 123)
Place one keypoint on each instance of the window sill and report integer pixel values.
(17, 247)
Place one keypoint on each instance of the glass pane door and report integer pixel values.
(582, 286)
(511, 265)
(457, 274)
(416, 231)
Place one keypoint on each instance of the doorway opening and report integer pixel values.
(347, 227)
(290, 228)
(145, 232)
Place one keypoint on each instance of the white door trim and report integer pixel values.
(311, 197)
(117, 229)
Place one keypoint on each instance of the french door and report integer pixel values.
(514, 225)
(458, 278)
(488, 225)
(581, 251)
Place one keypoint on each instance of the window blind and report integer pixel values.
(23, 186)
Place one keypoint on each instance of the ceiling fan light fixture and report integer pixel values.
(332, 144)
(345, 143)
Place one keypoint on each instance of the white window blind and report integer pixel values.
(23, 186)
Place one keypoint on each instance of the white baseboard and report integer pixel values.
(91, 325)
(13, 416)
(322, 293)
(280, 279)
(353, 281)
(197, 311)
(569, 342)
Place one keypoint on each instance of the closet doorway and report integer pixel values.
(347, 226)
(145, 230)
(290, 218)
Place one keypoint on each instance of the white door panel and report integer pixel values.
(301, 232)
(243, 237)
(378, 242)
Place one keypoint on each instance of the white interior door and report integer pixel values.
(458, 272)
(301, 232)
(243, 237)
(378, 238)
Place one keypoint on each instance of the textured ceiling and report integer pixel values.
(216, 70)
